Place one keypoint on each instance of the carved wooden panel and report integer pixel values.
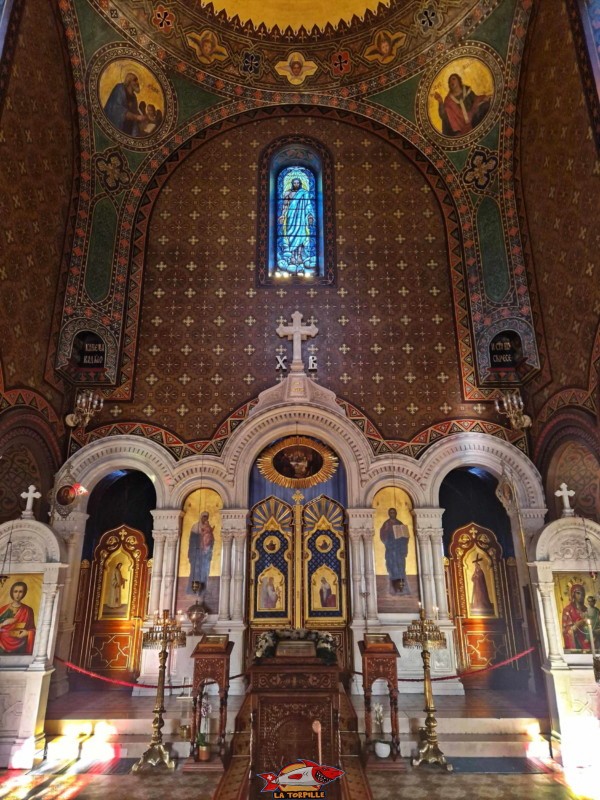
(111, 605)
(485, 592)
(110, 651)
(285, 730)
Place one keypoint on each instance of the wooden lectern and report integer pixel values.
(211, 663)
(379, 661)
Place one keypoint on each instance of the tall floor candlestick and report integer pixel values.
(424, 633)
(164, 634)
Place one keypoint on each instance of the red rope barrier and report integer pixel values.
(466, 674)
(473, 671)
(117, 682)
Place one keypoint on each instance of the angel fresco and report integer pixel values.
(384, 46)
(296, 69)
(207, 47)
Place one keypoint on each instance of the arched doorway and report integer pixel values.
(114, 577)
(482, 579)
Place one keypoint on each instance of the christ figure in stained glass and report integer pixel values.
(297, 221)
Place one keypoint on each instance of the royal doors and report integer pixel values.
(298, 568)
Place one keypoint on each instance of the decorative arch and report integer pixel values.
(30, 454)
(488, 452)
(575, 429)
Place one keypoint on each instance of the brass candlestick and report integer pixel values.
(424, 633)
(164, 634)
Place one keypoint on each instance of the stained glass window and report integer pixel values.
(5, 9)
(296, 251)
(295, 221)
(585, 19)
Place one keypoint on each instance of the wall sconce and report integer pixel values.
(87, 403)
(511, 405)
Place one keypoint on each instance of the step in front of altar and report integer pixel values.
(497, 730)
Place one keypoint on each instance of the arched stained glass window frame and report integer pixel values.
(6, 9)
(585, 16)
(301, 251)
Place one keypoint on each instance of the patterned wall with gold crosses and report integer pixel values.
(37, 157)
(386, 339)
(561, 192)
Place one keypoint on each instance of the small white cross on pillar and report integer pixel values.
(297, 333)
(565, 493)
(30, 495)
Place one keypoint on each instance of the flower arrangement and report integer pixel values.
(325, 646)
(378, 718)
(205, 709)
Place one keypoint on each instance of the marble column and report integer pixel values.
(234, 524)
(169, 576)
(422, 519)
(239, 561)
(429, 522)
(44, 626)
(361, 532)
(359, 608)
(370, 581)
(225, 585)
(71, 530)
(156, 576)
(546, 590)
(166, 533)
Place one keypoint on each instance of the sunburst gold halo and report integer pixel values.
(304, 455)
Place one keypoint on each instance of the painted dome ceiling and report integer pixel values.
(239, 46)
(300, 14)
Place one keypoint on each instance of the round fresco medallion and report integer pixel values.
(459, 99)
(133, 101)
(65, 495)
(298, 463)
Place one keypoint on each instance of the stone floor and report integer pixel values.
(473, 778)
(417, 784)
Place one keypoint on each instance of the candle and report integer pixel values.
(591, 631)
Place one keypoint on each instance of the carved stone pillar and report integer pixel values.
(546, 590)
(45, 625)
(371, 584)
(359, 608)
(430, 523)
(423, 519)
(169, 576)
(225, 589)
(166, 532)
(360, 531)
(239, 560)
(156, 576)
(532, 520)
(71, 530)
(234, 527)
